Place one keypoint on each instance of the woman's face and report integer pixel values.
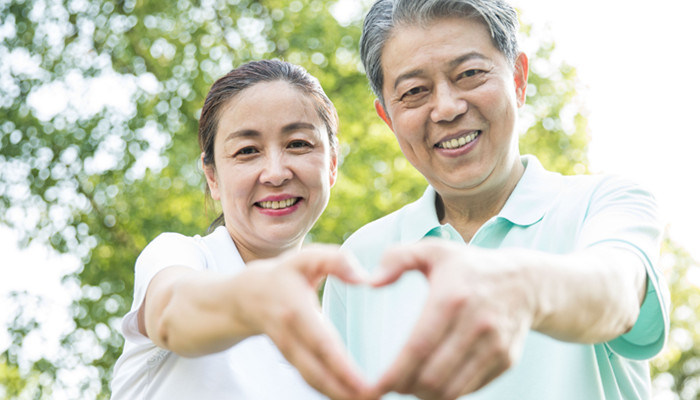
(274, 168)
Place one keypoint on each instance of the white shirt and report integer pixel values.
(252, 369)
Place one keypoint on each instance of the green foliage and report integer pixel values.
(558, 132)
(101, 182)
(11, 382)
(677, 370)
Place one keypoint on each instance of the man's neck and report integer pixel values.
(467, 213)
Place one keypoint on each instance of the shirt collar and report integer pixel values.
(528, 203)
(533, 195)
(419, 217)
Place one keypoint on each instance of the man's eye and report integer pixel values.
(470, 72)
(413, 91)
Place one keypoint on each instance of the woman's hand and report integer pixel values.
(283, 303)
(194, 313)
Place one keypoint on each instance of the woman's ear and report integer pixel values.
(210, 174)
(334, 166)
(520, 72)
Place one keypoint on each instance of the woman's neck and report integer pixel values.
(248, 253)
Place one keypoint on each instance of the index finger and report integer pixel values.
(322, 359)
(400, 259)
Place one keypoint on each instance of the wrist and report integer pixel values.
(247, 300)
(537, 289)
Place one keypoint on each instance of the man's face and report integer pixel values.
(451, 99)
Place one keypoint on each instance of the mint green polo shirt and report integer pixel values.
(546, 212)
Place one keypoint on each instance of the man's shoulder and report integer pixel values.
(383, 231)
(594, 186)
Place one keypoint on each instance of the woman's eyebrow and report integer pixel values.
(252, 133)
(295, 126)
(247, 133)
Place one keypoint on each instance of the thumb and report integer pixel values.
(317, 261)
(348, 269)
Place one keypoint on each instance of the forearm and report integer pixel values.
(590, 296)
(198, 313)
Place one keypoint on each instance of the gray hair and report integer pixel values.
(385, 15)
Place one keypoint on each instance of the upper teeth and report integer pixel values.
(278, 204)
(458, 142)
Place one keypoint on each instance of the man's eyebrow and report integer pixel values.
(466, 57)
(407, 75)
(452, 64)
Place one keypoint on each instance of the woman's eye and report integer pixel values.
(246, 151)
(298, 144)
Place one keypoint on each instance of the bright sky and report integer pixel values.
(637, 63)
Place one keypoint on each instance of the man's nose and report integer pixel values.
(448, 103)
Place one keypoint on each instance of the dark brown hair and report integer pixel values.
(246, 76)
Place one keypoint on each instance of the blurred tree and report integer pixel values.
(11, 382)
(676, 372)
(99, 103)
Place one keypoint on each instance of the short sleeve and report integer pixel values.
(624, 215)
(166, 250)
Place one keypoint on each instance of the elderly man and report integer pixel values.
(540, 286)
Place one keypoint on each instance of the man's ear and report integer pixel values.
(382, 113)
(520, 72)
(210, 174)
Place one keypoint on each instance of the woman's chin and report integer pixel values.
(284, 239)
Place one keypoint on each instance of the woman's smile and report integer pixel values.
(281, 206)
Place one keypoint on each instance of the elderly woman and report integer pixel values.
(217, 317)
(541, 286)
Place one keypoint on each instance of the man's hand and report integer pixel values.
(472, 328)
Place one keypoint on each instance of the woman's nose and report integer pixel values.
(448, 103)
(275, 171)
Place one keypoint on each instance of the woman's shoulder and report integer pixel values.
(171, 241)
(173, 248)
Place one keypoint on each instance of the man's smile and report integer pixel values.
(458, 142)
